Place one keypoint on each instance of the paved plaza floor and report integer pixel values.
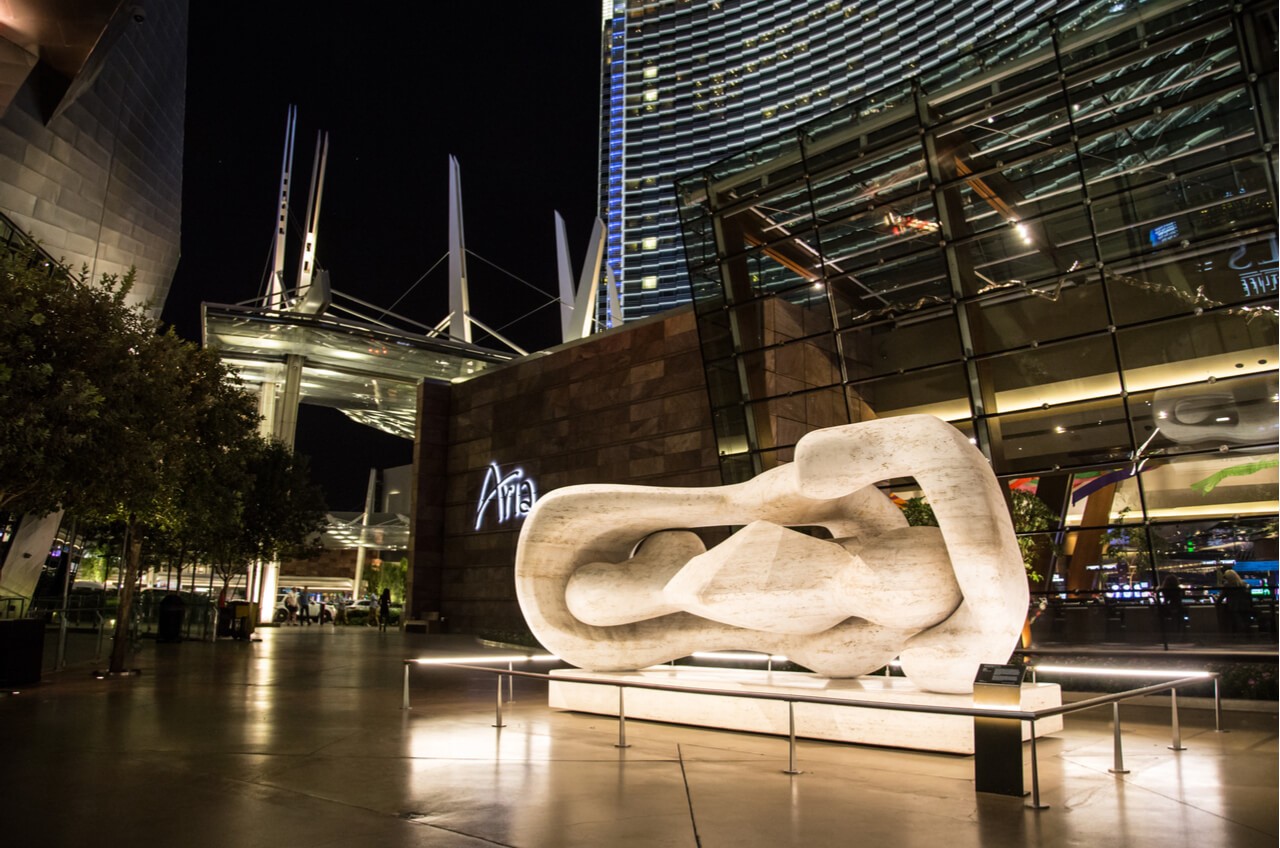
(300, 739)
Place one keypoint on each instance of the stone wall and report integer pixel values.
(626, 406)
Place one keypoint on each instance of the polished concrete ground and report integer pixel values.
(300, 740)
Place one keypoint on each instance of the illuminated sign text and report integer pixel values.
(511, 494)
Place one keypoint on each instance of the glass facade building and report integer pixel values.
(1062, 241)
(684, 82)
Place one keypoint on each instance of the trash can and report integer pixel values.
(169, 618)
(224, 622)
(21, 651)
(243, 615)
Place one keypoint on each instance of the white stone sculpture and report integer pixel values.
(609, 578)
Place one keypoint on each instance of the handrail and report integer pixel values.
(7, 600)
(1031, 716)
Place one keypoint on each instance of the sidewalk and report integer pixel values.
(300, 738)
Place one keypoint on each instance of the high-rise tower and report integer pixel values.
(686, 82)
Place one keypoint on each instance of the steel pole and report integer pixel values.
(622, 720)
(497, 722)
(1177, 729)
(404, 704)
(791, 719)
(1035, 773)
(1217, 706)
(1119, 752)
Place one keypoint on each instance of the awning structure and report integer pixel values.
(384, 531)
(367, 370)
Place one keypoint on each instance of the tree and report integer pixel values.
(104, 415)
(1030, 514)
(176, 414)
(391, 575)
(284, 512)
(61, 341)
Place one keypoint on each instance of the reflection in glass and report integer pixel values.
(1049, 375)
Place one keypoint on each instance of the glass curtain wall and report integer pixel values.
(1064, 243)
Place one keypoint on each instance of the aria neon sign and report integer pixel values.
(511, 494)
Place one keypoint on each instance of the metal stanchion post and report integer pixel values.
(62, 639)
(1035, 773)
(1177, 730)
(1217, 706)
(622, 721)
(511, 684)
(404, 705)
(791, 718)
(497, 722)
(1119, 752)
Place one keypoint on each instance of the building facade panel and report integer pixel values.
(1063, 241)
(98, 180)
(685, 82)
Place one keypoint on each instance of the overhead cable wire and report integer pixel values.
(514, 277)
(415, 284)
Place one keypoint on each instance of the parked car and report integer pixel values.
(281, 614)
(362, 612)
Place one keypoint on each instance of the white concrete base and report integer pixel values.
(893, 728)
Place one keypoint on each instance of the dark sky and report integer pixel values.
(511, 89)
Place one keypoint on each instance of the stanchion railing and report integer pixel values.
(791, 699)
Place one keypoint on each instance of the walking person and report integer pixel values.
(290, 608)
(304, 606)
(384, 610)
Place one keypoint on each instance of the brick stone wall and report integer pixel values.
(627, 406)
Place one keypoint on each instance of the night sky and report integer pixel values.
(510, 89)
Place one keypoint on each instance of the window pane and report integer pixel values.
(1211, 486)
(1018, 316)
(1232, 198)
(1214, 345)
(891, 346)
(1026, 251)
(904, 284)
(936, 391)
(1170, 283)
(1051, 374)
(1087, 433)
(1234, 412)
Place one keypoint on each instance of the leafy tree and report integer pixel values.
(284, 512)
(391, 575)
(103, 414)
(61, 342)
(174, 415)
(1030, 514)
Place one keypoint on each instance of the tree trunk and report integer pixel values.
(133, 557)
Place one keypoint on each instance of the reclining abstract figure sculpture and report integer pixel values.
(610, 578)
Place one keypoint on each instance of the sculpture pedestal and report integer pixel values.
(837, 723)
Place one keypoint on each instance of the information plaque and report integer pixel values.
(997, 742)
(1000, 675)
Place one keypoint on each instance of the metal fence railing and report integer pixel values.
(1031, 716)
